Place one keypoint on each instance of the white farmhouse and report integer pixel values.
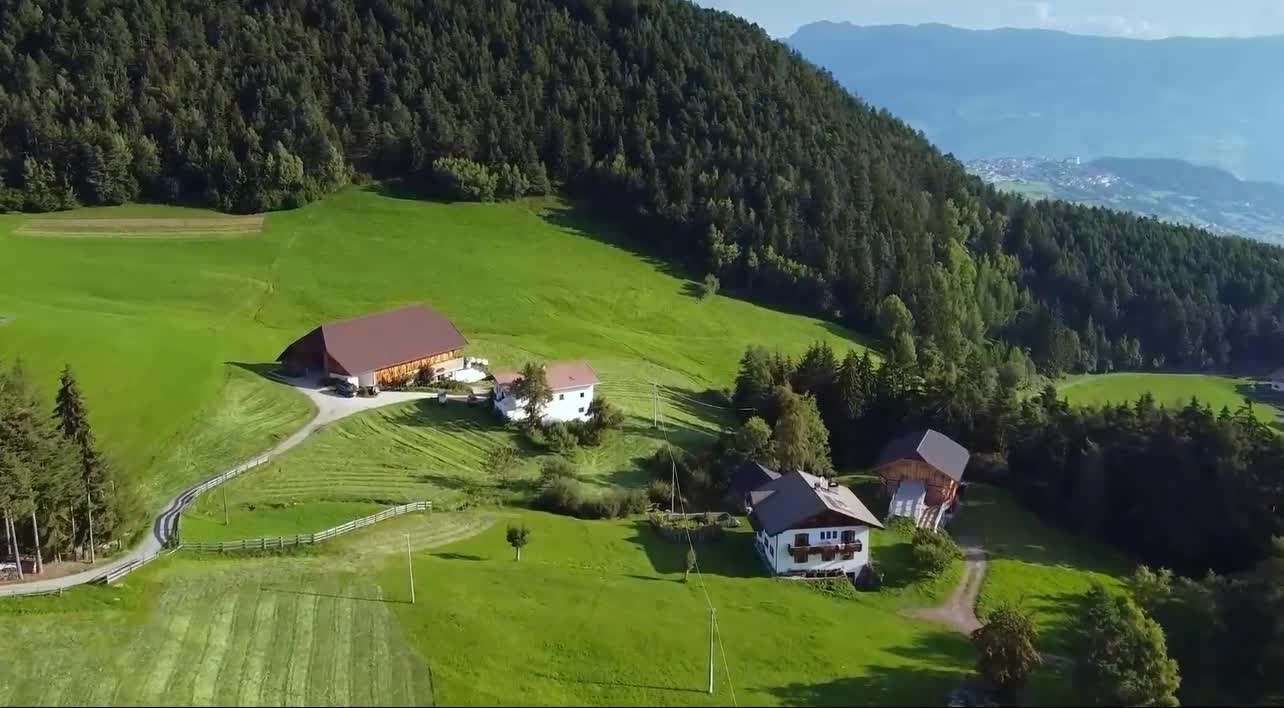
(805, 525)
(572, 383)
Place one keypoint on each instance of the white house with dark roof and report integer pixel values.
(572, 383)
(806, 525)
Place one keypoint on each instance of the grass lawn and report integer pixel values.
(156, 328)
(247, 521)
(1039, 567)
(595, 613)
(1167, 389)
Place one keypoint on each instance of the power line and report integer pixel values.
(700, 576)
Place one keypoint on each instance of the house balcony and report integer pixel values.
(827, 551)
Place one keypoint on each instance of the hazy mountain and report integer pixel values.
(984, 94)
(1172, 190)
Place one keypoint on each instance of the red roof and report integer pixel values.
(561, 375)
(386, 339)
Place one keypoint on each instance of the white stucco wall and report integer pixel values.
(775, 550)
(567, 405)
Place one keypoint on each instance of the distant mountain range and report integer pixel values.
(986, 94)
(1172, 190)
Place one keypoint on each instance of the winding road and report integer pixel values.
(959, 612)
(329, 407)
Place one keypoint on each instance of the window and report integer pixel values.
(580, 409)
(800, 539)
(581, 394)
(849, 536)
(561, 396)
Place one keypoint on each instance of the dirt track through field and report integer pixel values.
(959, 612)
(142, 227)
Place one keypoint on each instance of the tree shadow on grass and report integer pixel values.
(269, 370)
(617, 684)
(927, 683)
(458, 556)
(732, 556)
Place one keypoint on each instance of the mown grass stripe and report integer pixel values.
(165, 655)
(305, 619)
(344, 629)
(204, 670)
(322, 664)
(283, 631)
(232, 670)
(252, 676)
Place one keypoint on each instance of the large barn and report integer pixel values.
(921, 473)
(377, 349)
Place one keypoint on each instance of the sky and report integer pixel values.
(1147, 19)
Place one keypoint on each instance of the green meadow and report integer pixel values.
(166, 335)
(1174, 390)
(595, 613)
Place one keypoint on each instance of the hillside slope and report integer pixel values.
(991, 93)
(720, 147)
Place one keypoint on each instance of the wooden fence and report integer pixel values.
(117, 574)
(267, 544)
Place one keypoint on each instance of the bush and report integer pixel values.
(559, 438)
(501, 461)
(465, 180)
(603, 506)
(933, 551)
(585, 433)
(660, 492)
(556, 468)
(632, 501)
(709, 287)
(564, 495)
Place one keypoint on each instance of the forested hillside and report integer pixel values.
(721, 147)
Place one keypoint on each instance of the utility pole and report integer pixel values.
(655, 405)
(35, 529)
(673, 484)
(712, 629)
(89, 500)
(411, 565)
(224, 488)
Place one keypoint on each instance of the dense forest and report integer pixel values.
(724, 148)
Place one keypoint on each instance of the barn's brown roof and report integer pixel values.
(937, 450)
(387, 339)
(561, 375)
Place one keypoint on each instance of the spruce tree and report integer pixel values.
(95, 474)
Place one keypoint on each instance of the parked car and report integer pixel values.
(345, 389)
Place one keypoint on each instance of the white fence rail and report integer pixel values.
(267, 544)
(128, 568)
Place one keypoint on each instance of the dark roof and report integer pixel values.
(386, 339)
(797, 496)
(750, 476)
(937, 450)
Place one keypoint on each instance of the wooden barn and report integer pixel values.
(377, 349)
(921, 473)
